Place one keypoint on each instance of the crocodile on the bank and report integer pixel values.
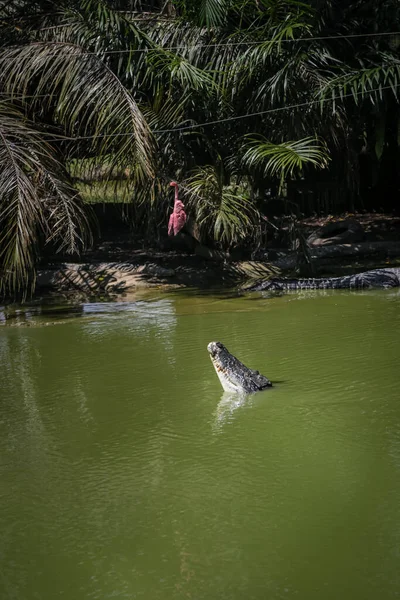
(234, 375)
(378, 278)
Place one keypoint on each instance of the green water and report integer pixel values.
(126, 473)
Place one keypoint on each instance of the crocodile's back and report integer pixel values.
(378, 278)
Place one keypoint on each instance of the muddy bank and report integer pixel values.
(146, 272)
(117, 267)
(116, 279)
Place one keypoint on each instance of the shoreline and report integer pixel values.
(119, 266)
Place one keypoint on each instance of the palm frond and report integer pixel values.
(85, 97)
(286, 159)
(181, 71)
(212, 13)
(287, 21)
(36, 199)
(224, 211)
(368, 82)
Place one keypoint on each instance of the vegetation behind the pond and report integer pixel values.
(257, 107)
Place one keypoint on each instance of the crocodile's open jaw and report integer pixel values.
(234, 375)
(220, 359)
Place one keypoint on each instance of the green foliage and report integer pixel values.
(146, 100)
(205, 13)
(37, 199)
(287, 159)
(180, 71)
(223, 213)
(371, 82)
(83, 95)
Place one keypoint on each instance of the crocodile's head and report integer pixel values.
(234, 375)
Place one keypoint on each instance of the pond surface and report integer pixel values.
(126, 473)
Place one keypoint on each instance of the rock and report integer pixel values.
(339, 251)
(348, 231)
(156, 270)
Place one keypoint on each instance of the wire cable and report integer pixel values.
(227, 119)
(218, 45)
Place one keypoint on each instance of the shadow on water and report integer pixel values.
(220, 292)
(34, 314)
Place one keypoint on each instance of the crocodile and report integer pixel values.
(377, 278)
(234, 375)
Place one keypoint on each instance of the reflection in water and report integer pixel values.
(26, 362)
(22, 360)
(82, 400)
(226, 407)
(140, 318)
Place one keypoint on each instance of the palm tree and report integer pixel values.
(165, 92)
(57, 84)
